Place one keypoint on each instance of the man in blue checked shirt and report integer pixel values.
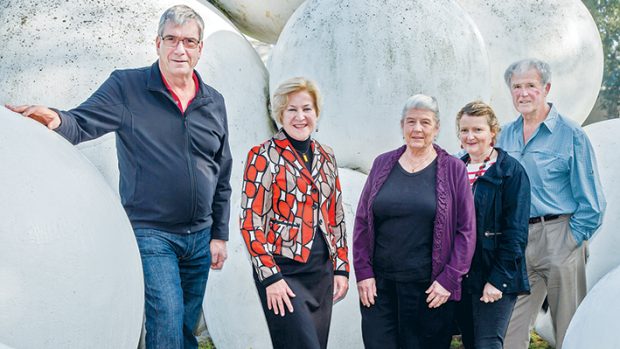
(567, 201)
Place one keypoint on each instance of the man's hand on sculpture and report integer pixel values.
(40, 113)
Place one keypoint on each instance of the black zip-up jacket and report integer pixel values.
(502, 200)
(174, 167)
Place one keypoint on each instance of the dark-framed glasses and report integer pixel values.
(173, 41)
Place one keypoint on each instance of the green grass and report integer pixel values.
(206, 344)
(535, 342)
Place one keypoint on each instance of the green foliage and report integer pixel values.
(606, 14)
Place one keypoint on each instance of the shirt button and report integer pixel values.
(189, 231)
(320, 221)
(504, 285)
(315, 206)
(314, 190)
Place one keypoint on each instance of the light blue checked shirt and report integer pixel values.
(561, 165)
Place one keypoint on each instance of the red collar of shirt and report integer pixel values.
(174, 95)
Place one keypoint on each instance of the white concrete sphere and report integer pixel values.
(73, 47)
(605, 244)
(234, 315)
(594, 325)
(544, 327)
(367, 59)
(70, 269)
(262, 20)
(560, 32)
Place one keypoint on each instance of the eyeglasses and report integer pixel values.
(173, 41)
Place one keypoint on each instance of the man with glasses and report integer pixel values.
(567, 201)
(175, 164)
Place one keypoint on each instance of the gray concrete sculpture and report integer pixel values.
(73, 47)
(561, 32)
(262, 20)
(605, 244)
(70, 271)
(368, 57)
(594, 324)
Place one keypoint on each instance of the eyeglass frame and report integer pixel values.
(187, 42)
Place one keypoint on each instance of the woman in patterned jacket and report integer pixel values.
(292, 222)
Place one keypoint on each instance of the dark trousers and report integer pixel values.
(483, 325)
(308, 325)
(400, 318)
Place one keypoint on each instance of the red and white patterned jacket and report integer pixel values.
(283, 204)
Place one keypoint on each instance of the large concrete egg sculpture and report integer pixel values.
(561, 32)
(594, 324)
(73, 47)
(235, 318)
(605, 244)
(262, 20)
(367, 58)
(70, 268)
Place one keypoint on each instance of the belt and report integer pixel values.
(546, 218)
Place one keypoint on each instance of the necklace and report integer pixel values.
(419, 164)
(483, 166)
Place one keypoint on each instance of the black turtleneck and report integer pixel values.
(302, 148)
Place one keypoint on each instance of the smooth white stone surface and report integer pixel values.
(594, 325)
(560, 32)
(368, 58)
(70, 268)
(234, 315)
(262, 20)
(73, 48)
(605, 244)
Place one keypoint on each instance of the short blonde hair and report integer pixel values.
(279, 101)
(479, 108)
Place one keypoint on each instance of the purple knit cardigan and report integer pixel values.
(454, 235)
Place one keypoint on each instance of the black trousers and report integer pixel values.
(484, 325)
(401, 318)
(313, 284)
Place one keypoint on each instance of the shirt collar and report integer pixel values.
(550, 121)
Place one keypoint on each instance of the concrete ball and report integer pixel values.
(72, 48)
(605, 243)
(367, 58)
(594, 325)
(560, 32)
(262, 20)
(70, 269)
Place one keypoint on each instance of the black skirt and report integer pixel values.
(312, 283)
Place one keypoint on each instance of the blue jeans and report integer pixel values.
(176, 268)
(484, 325)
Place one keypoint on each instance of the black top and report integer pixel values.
(404, 212)
(303, 149)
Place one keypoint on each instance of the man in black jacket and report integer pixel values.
(175, 164)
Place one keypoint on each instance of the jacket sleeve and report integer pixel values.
(256, 199)
(362, 239)
(101, 113)
(341, 263)
(464, 234)
(513, 224)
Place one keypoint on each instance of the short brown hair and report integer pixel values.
(479, 108)
(279, 101)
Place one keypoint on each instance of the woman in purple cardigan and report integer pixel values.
(414, 237)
